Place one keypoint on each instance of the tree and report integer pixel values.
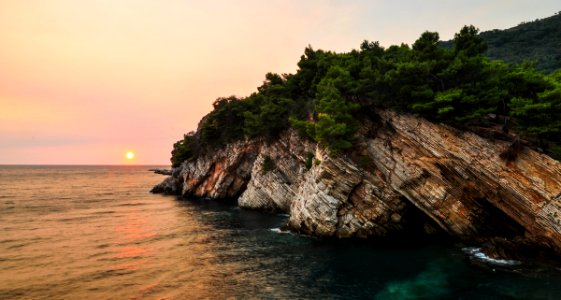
(182, 150)
(224, 123)
(268, 118)
(335, 127)
(469, 42)
(332, 92)
(540, 116)
(371, 48)
(427, 48)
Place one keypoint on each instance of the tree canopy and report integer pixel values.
(536, 42)
(331, 93)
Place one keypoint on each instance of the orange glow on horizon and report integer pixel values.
(82, 80)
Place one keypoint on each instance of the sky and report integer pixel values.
(84, 82)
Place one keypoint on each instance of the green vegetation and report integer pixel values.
(268, 164)
(332, 93)
(365, 161)
(182, 150)
(536, 42)
(309, 160)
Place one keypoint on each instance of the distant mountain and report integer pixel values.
(538, 41)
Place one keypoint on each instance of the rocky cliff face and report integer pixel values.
(407, 175)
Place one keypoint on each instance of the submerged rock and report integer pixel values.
(162, 171)
(408, 176)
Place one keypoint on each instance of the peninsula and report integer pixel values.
(391, 142)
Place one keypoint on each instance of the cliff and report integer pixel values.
(406, 176)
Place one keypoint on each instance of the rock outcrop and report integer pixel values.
(407, 175)
(161, 171)
(222, 173)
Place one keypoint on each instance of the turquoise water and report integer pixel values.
(96, 233)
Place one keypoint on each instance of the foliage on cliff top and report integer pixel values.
(332, 92)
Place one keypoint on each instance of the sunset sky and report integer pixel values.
(84, 82)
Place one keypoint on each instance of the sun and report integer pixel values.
(129, 155)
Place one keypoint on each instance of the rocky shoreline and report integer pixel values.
(162, 171)
(407, 175)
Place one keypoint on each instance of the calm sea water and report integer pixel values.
(96, 233)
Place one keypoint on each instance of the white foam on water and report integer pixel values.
(476, 252)
(278, 230)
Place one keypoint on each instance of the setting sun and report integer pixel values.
(129, 155)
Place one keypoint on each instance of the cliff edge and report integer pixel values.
(406, 175)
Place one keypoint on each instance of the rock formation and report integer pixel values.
(161, 171)
(407, 174)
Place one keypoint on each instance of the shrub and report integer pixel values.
(365, 161)
(555, 152)
(309, 160)
(268, 164)
(182, 150)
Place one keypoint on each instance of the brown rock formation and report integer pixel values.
(456, 179)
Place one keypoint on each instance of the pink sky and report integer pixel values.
(83, 82)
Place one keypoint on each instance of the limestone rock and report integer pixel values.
(459, 180)
(172, 185)
(161, 171)
(275, 189)
(339, 199)
(223, 173)
(455, 180)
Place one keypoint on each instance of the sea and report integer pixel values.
(95, 232)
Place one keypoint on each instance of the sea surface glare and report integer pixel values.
(95, 232)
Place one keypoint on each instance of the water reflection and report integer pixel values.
(97, 233)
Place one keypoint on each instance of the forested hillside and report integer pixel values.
(331, 93)
(537, 42)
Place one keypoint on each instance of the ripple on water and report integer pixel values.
(100, 234)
